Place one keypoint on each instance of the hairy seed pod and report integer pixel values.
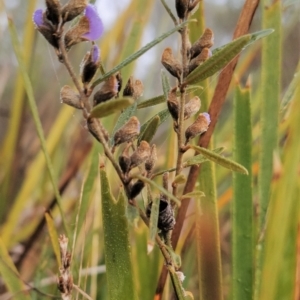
(173, 104)
(128, 131)
(124, 160)
(181, 8)
(171, 63)
(73, 9)
(133, 88)
(140, 155)
(53, 11)
(198, 127)
(192, 107)
(136, 188)
(150, 162)
(108, 90)
(119, 81)
(197, 61)
(70, 97)
(166, 219)
(192, 5)
(205, 41)
(89, 65)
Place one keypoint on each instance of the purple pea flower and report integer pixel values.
(89, 28)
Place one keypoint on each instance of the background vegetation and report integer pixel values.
(258, 127)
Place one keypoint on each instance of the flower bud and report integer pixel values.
(89, 65)
(70, 97)
(205, 41)
(136, 188)
(166, 219)
(140, 155)
(198, 127)
(127, 132)
(171, 63)
(192, 107)
(197, 61)
(53, 11)
(108, 90)
(133, 88)
(181, 8)
(150, 162)
(73, 9)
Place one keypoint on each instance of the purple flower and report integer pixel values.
(95, 23)
(207, 117)
(38, 18)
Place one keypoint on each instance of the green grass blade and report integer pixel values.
(242, 206)
(153, 220)
(270, 92)
(116, 244)
(109, 107)
(10, 275)
(223, 56)
(281, 209)
(35, 115)
(53, 237)
(137, 54)
(220, 160)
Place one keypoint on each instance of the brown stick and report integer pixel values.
(215, 108)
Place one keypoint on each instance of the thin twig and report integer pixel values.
(167, 8)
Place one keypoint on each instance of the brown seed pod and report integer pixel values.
(171, 63)
(166, 219)
(133, 88)
(140, 155)
(53, 11)
(136, 188)
(192, 107)
(173, 104)
(182, 8)
(108, 90)
(205, 41)
(127, 132)
(70, 97)
(150, 162)
(197, 61)
(198, 127)
(89, 65)
(124, 160)
(72, 9)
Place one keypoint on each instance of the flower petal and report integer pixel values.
(38, 18)
(95, 22)
(207, 117)
(95, 51)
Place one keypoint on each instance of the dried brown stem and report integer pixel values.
(215, 108)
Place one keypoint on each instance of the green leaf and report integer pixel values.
(242, 205)
(119, 271)
(159, 187)
(110, 107)
(165, 84)
(179, 179)
(223, 56)
(53, 237)
(137, 54)
(148, 133)
(10, 275)
(153, 219)
(163, 116)
(124, 117)
(199, 159)
(220, 160)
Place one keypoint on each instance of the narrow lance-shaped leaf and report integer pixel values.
(110, 107)
(119, 271)
(242, 206)
(163, 115)
(223, 56)
(194, 194)
(150, 130)
(159, 187)
(220, 160)
(165, 84)
(199, 159)
(137, 54)
(53, 237)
